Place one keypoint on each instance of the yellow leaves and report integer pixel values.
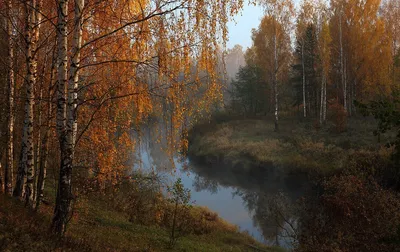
(271, 31)
(143, 102)
(325, 40)
(167, 63)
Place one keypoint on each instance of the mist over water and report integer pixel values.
(257, 199)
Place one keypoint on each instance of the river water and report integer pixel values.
(257, 199)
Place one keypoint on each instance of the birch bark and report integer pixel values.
(64, 184)
(26, 166)
(66, 110)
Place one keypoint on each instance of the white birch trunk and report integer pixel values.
(67, 105)
(26, 166)
(35, 18)
(64, 184)
(72, 124)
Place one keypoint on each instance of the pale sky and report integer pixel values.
(240, 33)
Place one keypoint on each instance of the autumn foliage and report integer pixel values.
(355, 214)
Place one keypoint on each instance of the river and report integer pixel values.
(256, 199)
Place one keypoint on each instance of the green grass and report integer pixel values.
(96, 226)
(297, 145)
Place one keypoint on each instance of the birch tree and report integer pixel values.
(304, 19)
(307, 57)
(44, 142)
(121, 37)
(324, 52)
(66, 108)
(391, 16)
(362, 50)
(64, 184)
(273, 34)
(26, 165)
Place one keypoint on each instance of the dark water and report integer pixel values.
(257, 199)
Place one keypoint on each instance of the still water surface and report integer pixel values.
(256, 199)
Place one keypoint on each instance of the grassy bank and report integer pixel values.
(299, 145)
(96, 226)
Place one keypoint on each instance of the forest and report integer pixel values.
(90, 89)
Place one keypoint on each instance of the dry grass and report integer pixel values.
(297, 144)
(96, 226)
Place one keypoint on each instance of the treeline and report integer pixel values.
(78, 77)
(320, 58)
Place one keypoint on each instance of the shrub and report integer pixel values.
(353, 214)
(177, 214)
(140, 197)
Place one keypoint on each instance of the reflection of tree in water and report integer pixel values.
(201, 184)
(268, 194)
(274, 213)
(153, 149)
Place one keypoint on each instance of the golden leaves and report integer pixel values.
(146, 57)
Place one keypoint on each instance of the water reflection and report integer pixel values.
(258, 199)
(268, 193)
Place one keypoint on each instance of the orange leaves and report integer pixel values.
(324, 42)
(143, 103)
(366, 46)
(145, 57)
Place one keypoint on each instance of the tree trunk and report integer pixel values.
(72, 124)
(9, 167)
(345, 85)
(304, 80)
(276, 81)
(38, 141)
(45, 142)
(26, 166)
(2, 187)
(321, 109)
(63, 199)
(36, 33)
(325, 82)
(342, 67)
(66, 110)
(35, 20)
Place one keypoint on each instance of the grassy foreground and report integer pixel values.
(97, 227)
(299, 145)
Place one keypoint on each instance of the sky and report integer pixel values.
(240, 33)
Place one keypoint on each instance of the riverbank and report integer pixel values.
(98, 226)
(298, 145)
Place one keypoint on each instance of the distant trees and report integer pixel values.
(333, 56)
(249, 90)
(306, 54)
(234, 59)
